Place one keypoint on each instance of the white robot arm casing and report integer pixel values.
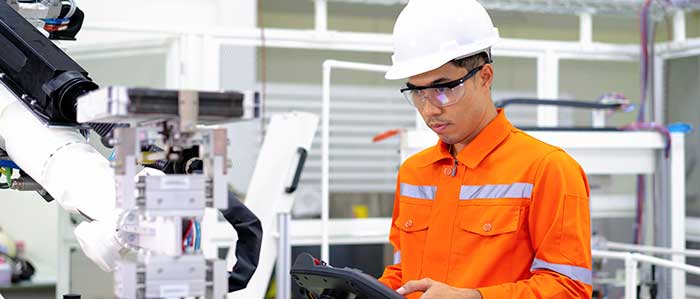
(59, 159)
(70, 170)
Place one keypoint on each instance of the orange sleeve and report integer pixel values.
(560, 230)
(392, 273)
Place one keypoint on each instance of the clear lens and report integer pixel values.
(414, 97)
(440, 97)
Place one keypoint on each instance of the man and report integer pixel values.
(488, 212)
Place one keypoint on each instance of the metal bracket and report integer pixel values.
(188, 109)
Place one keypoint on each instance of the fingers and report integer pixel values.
(415, 286)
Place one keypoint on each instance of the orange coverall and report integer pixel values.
(509, 217)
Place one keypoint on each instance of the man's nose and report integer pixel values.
(430, 109)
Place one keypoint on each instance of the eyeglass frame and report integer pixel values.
(450, 85)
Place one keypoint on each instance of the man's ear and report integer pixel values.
(486, 75)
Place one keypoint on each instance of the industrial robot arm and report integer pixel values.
(39, 85)
(40, 133)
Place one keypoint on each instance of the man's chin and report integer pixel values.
(446, 139)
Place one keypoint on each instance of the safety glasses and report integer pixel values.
(440, 95)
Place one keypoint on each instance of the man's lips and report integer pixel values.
(438, 128)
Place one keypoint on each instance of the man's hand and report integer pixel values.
(437, 290)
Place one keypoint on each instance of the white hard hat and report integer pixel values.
(430, 33)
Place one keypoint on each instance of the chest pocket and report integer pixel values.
(491, 238)
(414, 215)
(489, 220)
(413, 222)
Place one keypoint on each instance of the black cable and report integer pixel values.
(188, 162)
(654, 286)
(557, 102)
(250, 233)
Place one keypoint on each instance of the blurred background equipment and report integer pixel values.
(14, 267)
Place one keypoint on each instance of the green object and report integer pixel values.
(271, 289)
(8, 175)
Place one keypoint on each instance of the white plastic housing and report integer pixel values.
(59, 159)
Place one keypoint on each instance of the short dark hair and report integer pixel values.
(473, 61)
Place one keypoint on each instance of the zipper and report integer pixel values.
(454, 168)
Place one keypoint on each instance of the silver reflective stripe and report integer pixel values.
(576, 273)
(515, 190)
(397, 257)
(421, 192)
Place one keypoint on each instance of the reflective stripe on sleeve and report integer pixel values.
(576, 273)
(420, 192)
(515, 190)
(397, 257)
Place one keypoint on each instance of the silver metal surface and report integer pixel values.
(125, 166)
(158, 207)
(167, 277)
(125, 281)
(219, 279)
(188, 105)
(25, 184)
(215, 159)
(284, 257)
(183, 193)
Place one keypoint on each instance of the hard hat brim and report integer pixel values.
(425, 64)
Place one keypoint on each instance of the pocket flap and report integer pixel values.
(490, 220)
(413, 217)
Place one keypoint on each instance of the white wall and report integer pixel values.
(684, 106)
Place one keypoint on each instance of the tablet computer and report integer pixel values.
(317, 280)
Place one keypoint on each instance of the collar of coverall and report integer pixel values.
(486, 141)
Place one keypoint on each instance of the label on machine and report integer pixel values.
(174, 182)
(169, 291)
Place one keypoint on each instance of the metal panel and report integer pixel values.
(164, 276)
(219, 274)
(185, 192)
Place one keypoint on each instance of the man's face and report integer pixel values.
(462, 120)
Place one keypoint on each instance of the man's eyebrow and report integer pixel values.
(441, 80)
(438, 81)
